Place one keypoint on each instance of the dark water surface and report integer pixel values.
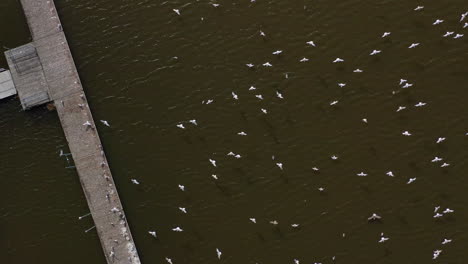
(145, 70)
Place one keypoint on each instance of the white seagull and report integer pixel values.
(406, 133)
(213, 162)
(437, 22)
(267, 64)
(218, 253)
(181, 187)
(407, 85)
(411, 180)
(362, 174)
(183, 210)
(419, 8)
(390, 173)
(439, 140)
(386, 34)
(279, 95)
(383, 239)
(280, 165)
(374, 52)
(277, 52)
(177, 11)
(134, 181)
(413, 45)
(446, 241)
(436, 159)
(311, 43)
(242, 133)
(169, 260)
(234, 95)
(259, 96)
(250, 65)
(374, 217)
(420, 104)
(402, 81)
(436, 253)
(357, 70)
(341, 84)
(87, 123)
(400, 108)
(105, 123)
(457, 36)
(251, 88)
(304, 59)
(253, 220)
(448, 33)
(444, 165)
(181, 126)
(153, 233)
(333, 102)
(177, 229)
(193, 121)
(264, 111)
(338, 60)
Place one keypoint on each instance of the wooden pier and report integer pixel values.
(44, 71)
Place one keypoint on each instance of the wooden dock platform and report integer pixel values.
(7, 88)
(46, 67)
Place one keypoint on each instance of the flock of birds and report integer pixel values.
(403, 83)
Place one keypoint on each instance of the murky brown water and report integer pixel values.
(125, 53)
